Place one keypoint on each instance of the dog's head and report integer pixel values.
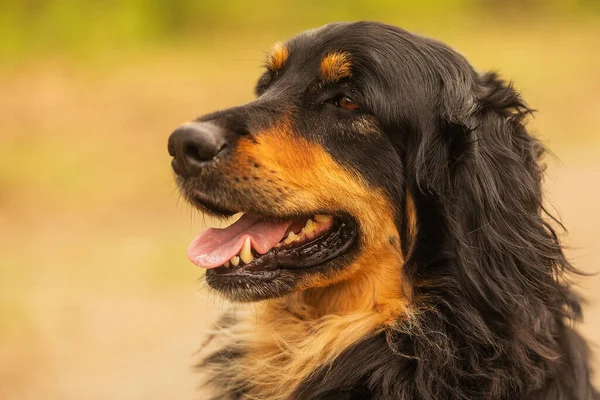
(365, 148)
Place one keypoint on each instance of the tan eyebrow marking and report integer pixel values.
(336, 66)
(278, 56)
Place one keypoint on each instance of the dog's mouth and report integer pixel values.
(257, 246)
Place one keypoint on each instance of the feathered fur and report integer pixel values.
(485, 309)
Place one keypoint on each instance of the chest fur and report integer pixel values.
(268, 353)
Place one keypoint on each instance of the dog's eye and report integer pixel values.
(260, 89)
(346, 103)
(263, 83)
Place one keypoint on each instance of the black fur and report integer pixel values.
(493, 311)
(492, 305)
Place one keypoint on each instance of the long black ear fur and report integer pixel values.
(487, 267)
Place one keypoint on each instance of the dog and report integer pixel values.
(393, 242)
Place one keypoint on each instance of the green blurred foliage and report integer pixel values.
(30, 28)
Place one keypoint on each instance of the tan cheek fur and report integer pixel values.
(315, 181)
(285, 340)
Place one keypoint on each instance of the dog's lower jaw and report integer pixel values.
(281, 342)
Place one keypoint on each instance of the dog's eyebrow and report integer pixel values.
(335, 66)
(277, 57)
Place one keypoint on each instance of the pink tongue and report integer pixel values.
(215, 246)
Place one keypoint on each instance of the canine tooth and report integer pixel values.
(235, 261)
(310, 226)
(290, 238)
(323, 218)
(246, 252)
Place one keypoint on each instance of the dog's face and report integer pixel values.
(316, 164)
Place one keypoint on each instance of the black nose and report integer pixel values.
(194, 146)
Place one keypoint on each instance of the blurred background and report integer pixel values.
(97, 299)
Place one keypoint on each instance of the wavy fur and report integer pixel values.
(485, 309)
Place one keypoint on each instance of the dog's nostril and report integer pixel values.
(199, 153)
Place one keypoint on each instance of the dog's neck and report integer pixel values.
(290, 337)
(284, 340)
(375, 285)
(378, 293)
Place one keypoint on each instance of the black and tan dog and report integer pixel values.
(393, 239)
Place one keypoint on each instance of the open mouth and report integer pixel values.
(259, 247)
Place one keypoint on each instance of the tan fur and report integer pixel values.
(278, 57)
(285, 340)
(410, 220)
(336, 66)
(411, 216)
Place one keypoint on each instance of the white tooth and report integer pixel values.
(323, 218)
(290, 238)
(235, 261)
(246, 252)
(226, 265)
(309, 227)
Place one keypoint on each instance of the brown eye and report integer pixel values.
(346, 103)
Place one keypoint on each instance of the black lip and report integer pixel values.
(332, 244)
(210, 207)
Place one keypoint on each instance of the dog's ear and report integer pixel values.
(485, 268)
(476, 183)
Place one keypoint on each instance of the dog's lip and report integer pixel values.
(252, 237)
(330, 244)
(345, 233)
(211, 207)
